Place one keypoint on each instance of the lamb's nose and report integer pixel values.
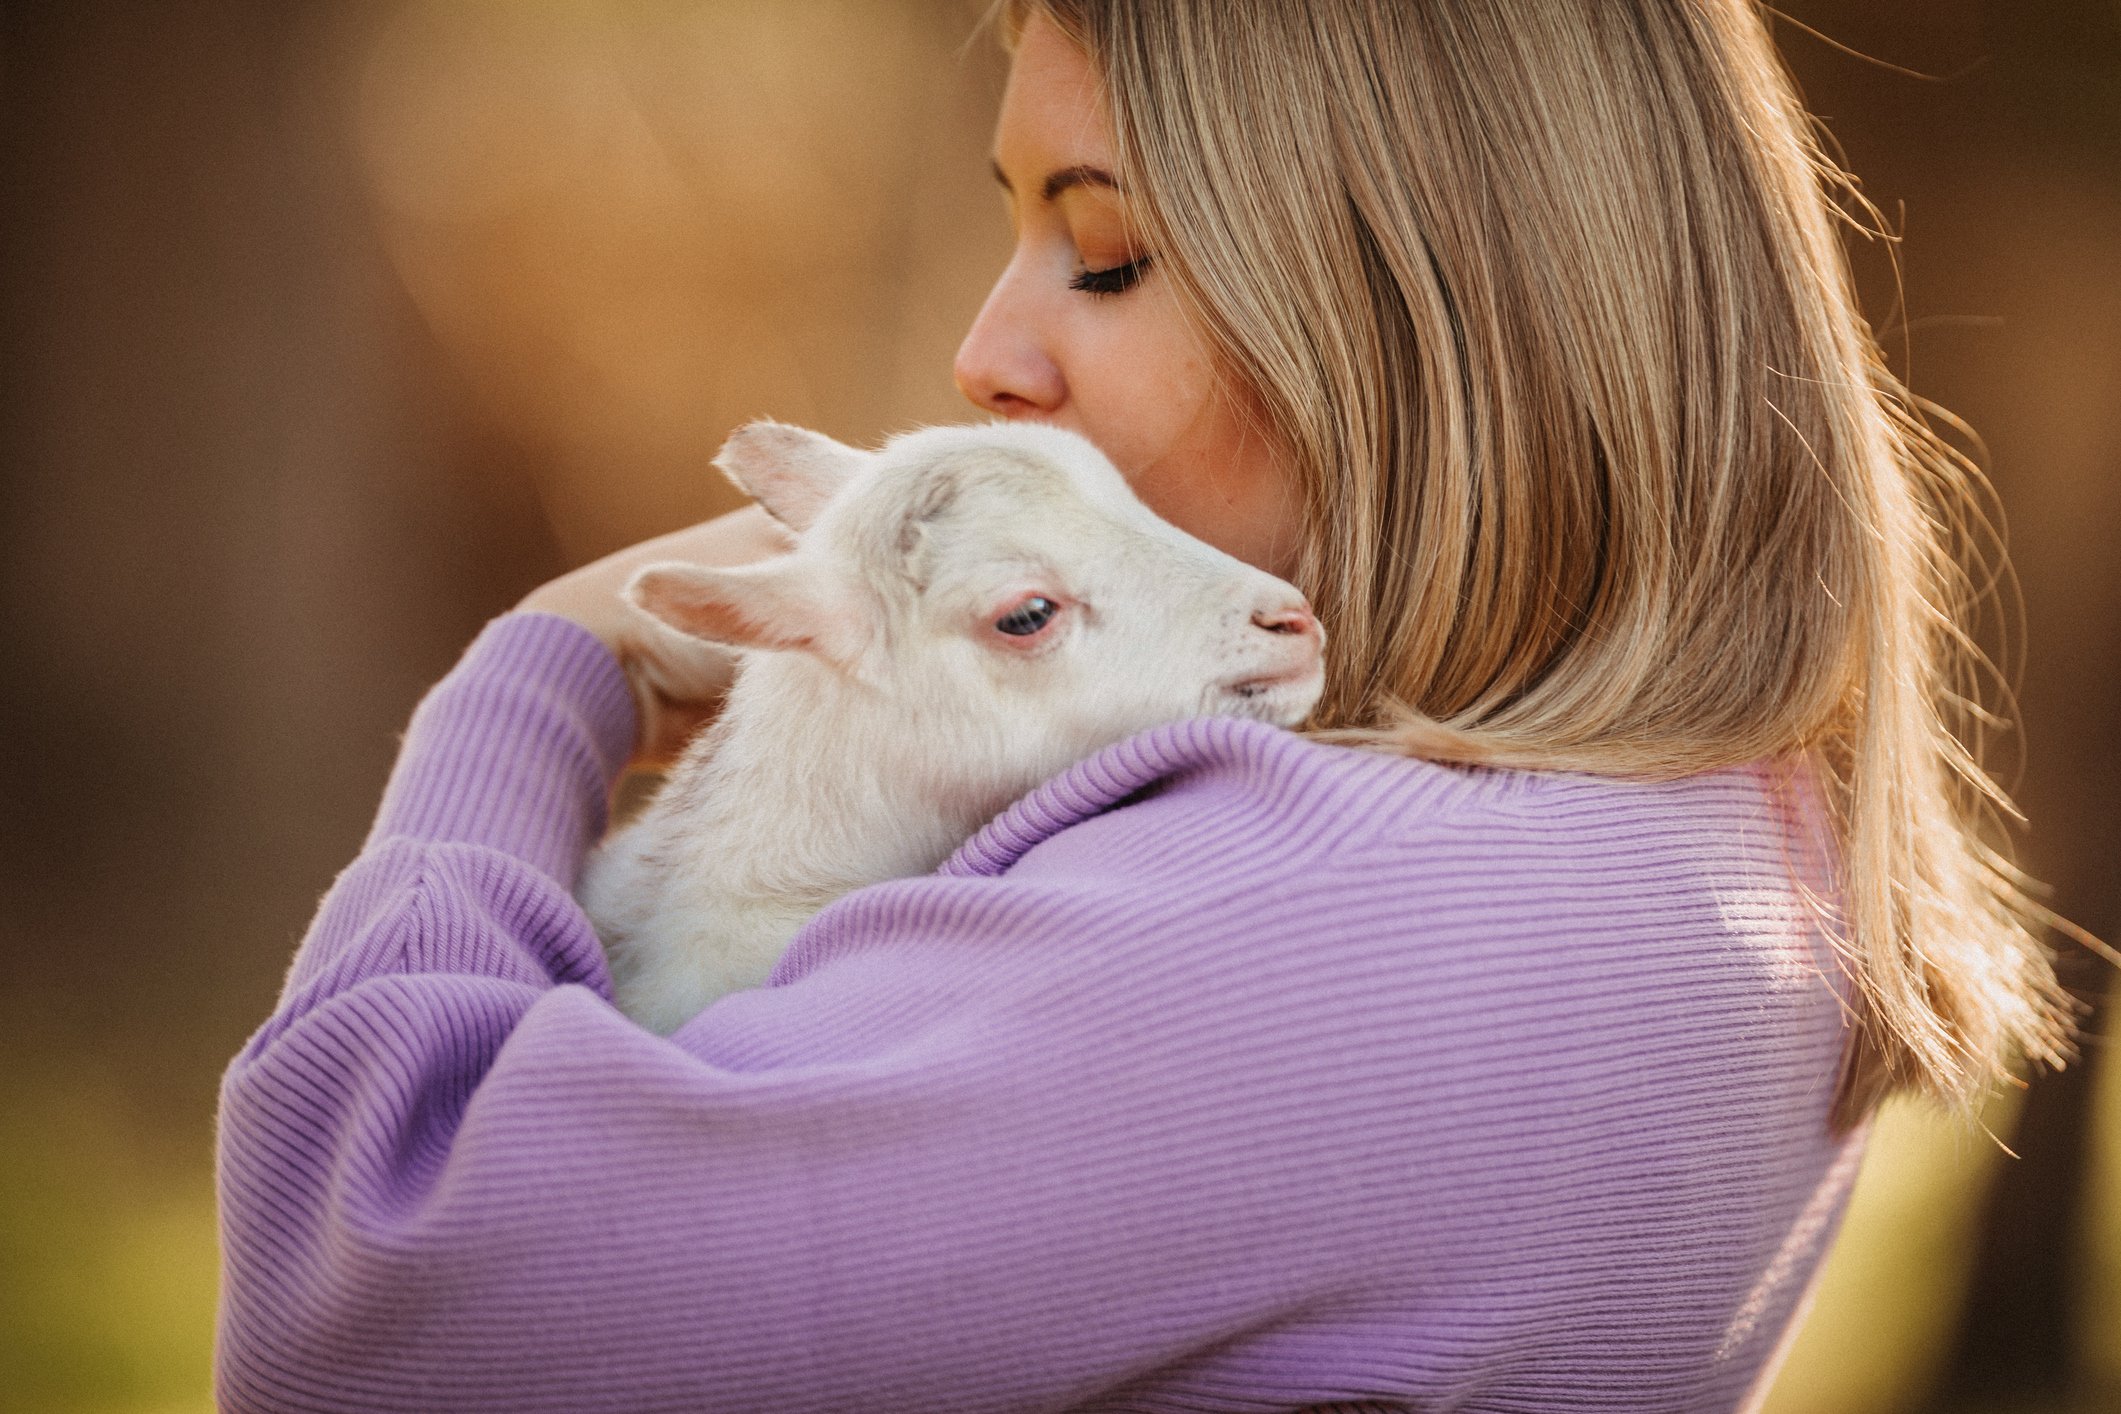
(1286, 616)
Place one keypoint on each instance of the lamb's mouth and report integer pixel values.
(1280, 698)
(1265, 683)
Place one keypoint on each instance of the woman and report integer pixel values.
(1514, 1058)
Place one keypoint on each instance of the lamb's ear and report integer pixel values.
(791, 471)
(775, 604)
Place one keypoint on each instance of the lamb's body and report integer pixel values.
(778, 809)
(890, 701)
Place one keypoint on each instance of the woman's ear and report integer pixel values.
(790, 471)
(778, 605)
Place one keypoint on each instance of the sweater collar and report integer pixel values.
(1120, 773)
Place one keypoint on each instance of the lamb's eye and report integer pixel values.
(1028, 617)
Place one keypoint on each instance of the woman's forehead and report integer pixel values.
(1053, 112)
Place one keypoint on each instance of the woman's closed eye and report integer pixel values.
(1114, 280)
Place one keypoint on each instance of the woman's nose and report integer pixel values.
(1003, 364)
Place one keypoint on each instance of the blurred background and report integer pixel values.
(330, 330)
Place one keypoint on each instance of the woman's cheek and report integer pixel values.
(1142, 402)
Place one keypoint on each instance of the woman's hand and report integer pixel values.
(678, 682)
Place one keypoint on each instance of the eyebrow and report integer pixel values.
(1080, 175)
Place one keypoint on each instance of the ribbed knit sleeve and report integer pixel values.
(517, 749)
(1225, 1072)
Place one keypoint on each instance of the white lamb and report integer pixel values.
(965, 613)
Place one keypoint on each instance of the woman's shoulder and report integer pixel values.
(1231, 785)
(1212, 849)
(1225, 794)
(1668, 906)
(1524, 941)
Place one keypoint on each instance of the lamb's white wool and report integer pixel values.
(966, 612)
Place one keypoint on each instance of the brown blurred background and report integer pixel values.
(331, 330)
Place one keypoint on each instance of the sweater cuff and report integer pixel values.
(517, 748)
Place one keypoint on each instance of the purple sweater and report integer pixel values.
(1225, 1071)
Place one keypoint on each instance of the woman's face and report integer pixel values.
(1083, 330)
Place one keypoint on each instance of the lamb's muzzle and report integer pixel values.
(1287, 617)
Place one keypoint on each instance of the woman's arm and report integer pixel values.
(967, 1159)
(1226, 1069)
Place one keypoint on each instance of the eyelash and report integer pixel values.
(1115, 281)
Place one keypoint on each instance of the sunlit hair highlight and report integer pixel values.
(1602, 469)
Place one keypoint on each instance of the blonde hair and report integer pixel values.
(1602, 468)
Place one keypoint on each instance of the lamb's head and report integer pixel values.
(997, 592)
